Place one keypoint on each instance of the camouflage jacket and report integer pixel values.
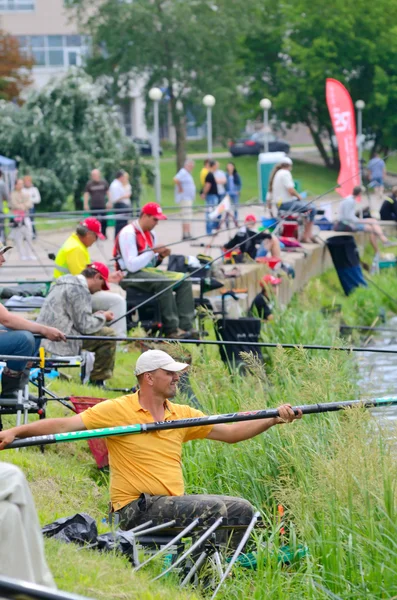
(68, 307)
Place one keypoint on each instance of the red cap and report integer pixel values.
(250, 218)
(93, 225)
(103, 271)
(270, 279)
(153, 210)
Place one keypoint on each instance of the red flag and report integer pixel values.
(341, 109)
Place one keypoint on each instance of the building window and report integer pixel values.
(54, 50)
(17, 5)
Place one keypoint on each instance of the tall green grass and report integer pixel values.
(335, 474)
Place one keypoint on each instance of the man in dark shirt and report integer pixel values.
(247, 237)
(388, 211)
(260, 306)
(210, 195)
(95, 198)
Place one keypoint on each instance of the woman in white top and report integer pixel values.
(120, 198)
(285, 197)
(21, 225)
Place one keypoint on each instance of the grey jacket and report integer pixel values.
(68, 307)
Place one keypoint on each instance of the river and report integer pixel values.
(378, 373)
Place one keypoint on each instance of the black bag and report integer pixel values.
(246, 329)
(81, 528)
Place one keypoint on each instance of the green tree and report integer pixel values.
(62, 132)
(188, 48)
(297, 44)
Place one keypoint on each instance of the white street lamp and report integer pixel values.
(266, 105)
(155, 94)
(209, 102)
(360, 105)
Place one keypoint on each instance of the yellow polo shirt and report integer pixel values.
(72, 257)
(145, 462)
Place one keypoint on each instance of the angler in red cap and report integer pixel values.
(69, 307)
(251, 239)
(136, 251)
(261, 305)
(73, 257)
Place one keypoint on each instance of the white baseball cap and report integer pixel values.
(157, 359)
(286, 160)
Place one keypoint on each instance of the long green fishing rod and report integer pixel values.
(252, 415)
(368, 328)
(228, 343)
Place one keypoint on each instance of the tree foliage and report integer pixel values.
(15, 69)
(65, 129)
(297, 44)
(188, 48)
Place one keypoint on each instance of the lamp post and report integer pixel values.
(155, 94)
(266, 105)
(360, 105)
(209, 102)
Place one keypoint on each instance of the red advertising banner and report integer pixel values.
(341, 109)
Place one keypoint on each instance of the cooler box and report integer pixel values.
(266, 162)
(97, 446)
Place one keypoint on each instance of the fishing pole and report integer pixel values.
(252, 415)
(228, 343)
(368, 328)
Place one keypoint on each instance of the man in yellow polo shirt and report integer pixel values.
(146, 480)
(73, 257)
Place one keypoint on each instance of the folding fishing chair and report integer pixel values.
(149, 316)
(168, 541)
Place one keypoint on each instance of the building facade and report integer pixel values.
(47, 33)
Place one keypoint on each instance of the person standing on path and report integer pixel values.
(136, 251)
(185, 194)
(73, 257)
(35, 198)
(21, 224)
(376, 174)
(204, 171)
(210, 195)
(4, 200)
(233, 188)
(95, 198)
(120, 198)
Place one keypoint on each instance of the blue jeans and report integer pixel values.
(211, 202)
(235, 200)
(18, 343)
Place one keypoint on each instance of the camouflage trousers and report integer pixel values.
(105, 352)
(183, 509)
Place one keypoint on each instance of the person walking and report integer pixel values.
(146, 477)
(233, 188)
(376, 168)
(210, 195)
(95, 198)
(21, 224)
(136, 251)
(35, 198)
(73, 257)
(284, 197)
(69, 305)
(185, 194)
(119, 198)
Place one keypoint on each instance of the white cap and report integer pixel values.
(286, 161)
(157, 359)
